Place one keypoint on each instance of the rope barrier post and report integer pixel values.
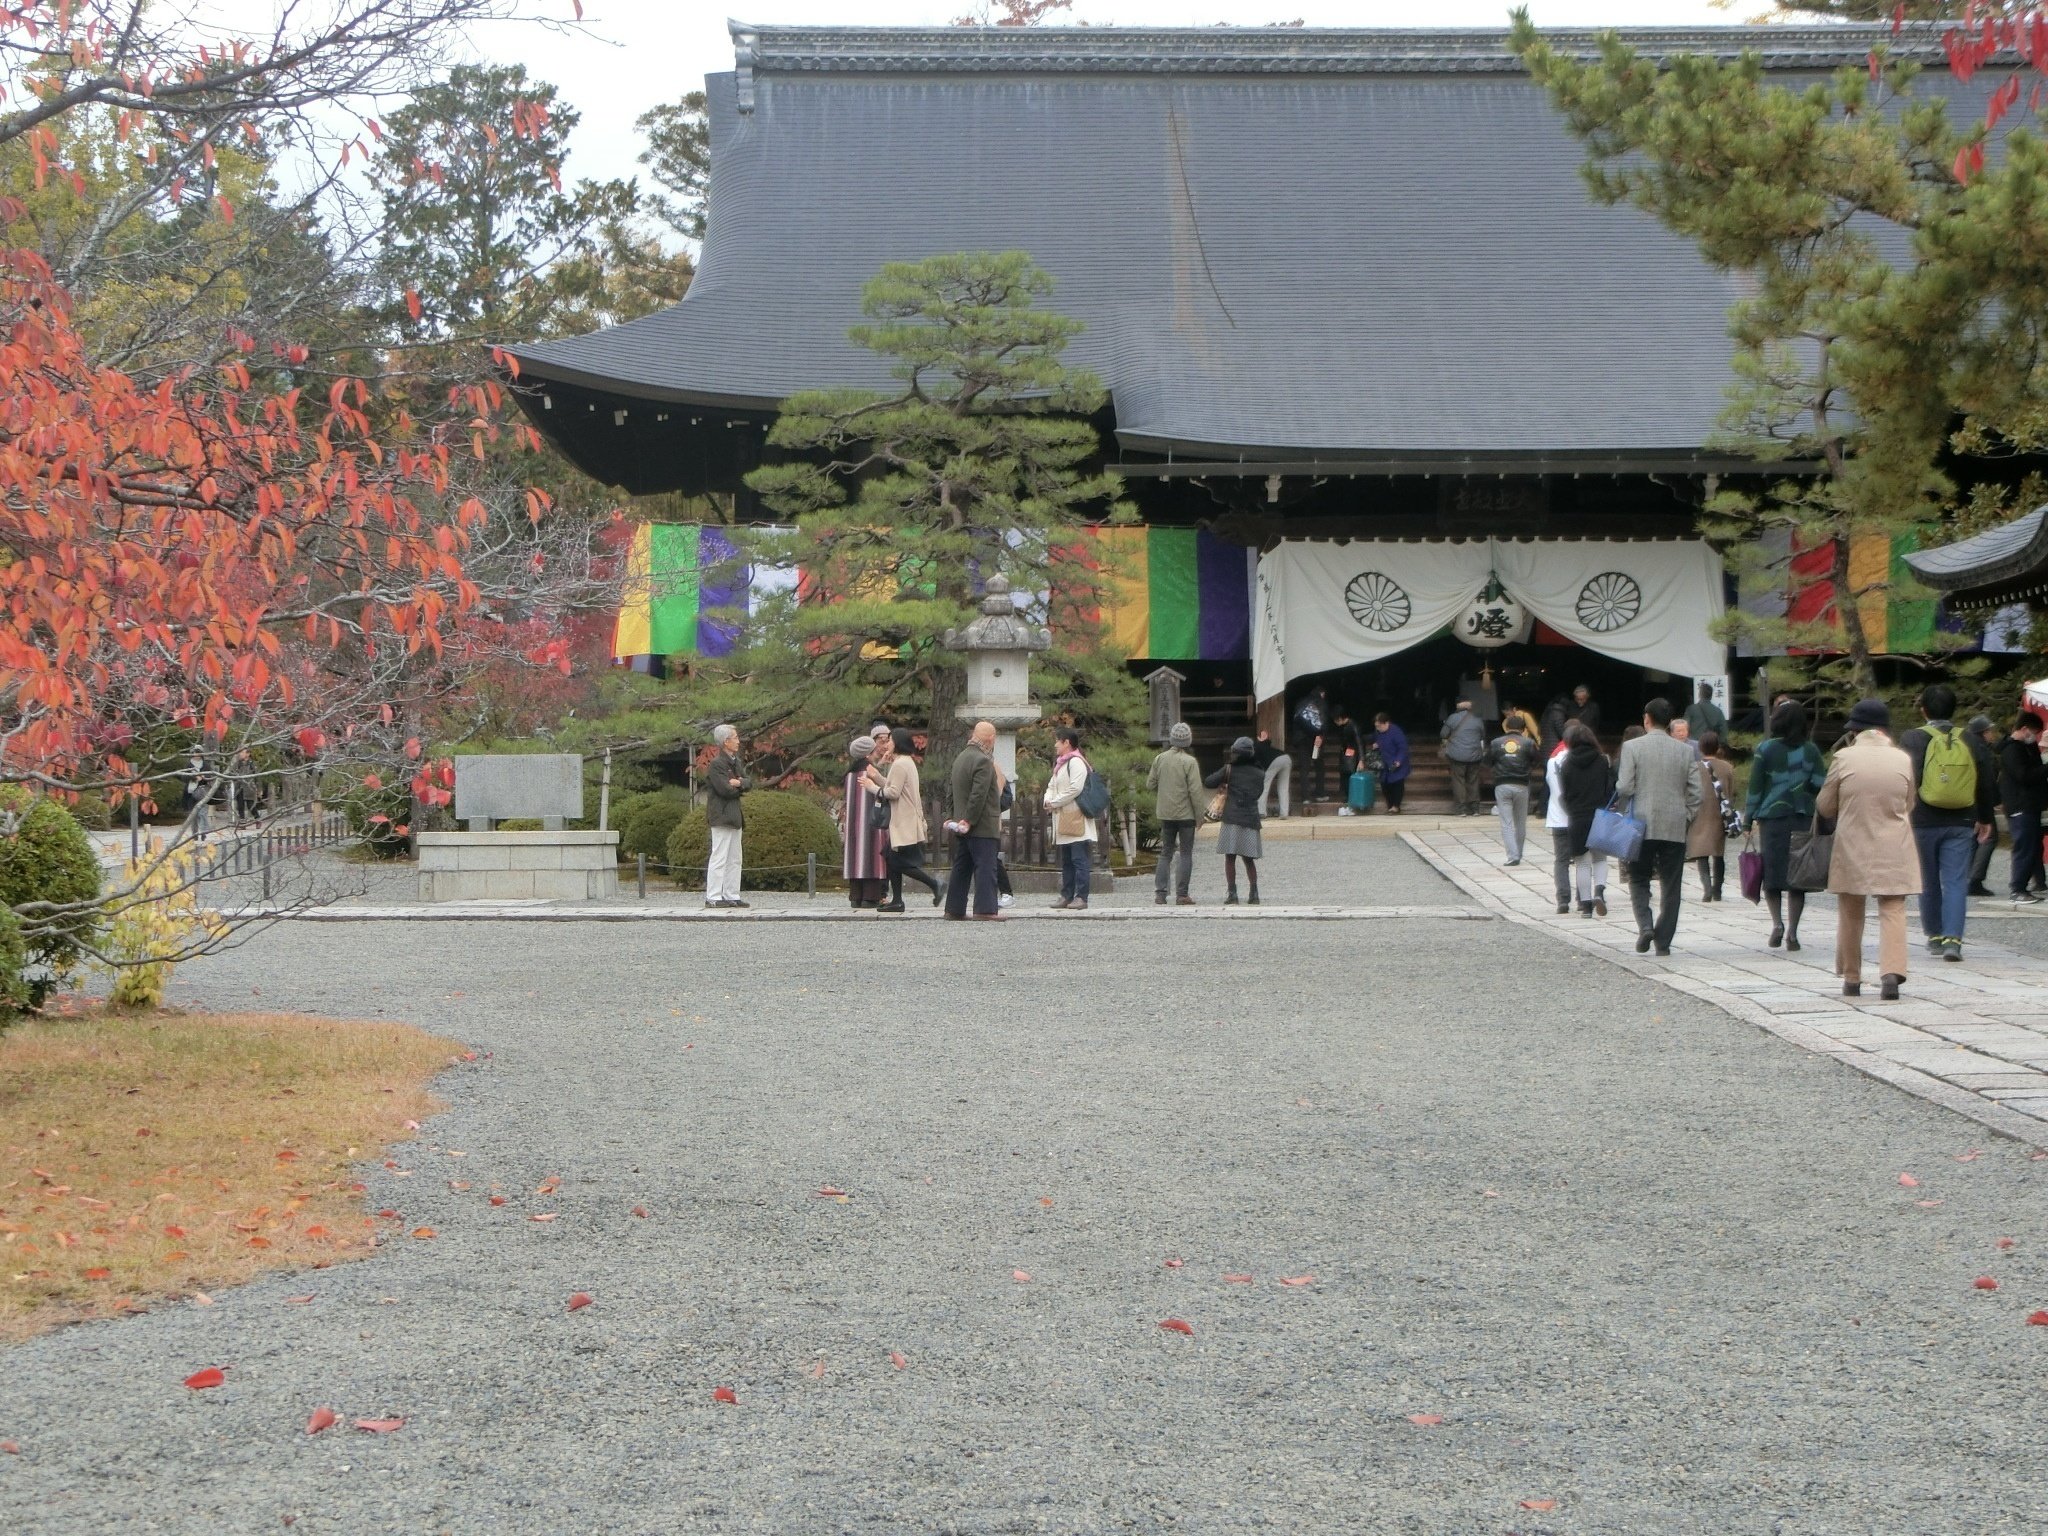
(266, 882)
(810, 874)
(134, 824)
(641, 858)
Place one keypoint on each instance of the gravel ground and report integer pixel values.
(1642, 1260)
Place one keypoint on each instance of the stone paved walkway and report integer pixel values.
(1972, 1037)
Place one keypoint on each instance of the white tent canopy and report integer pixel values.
(1326, 605)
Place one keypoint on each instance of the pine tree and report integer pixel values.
(977, 463)
(1899, 293)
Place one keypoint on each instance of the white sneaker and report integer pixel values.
(1006, 901)
(1346, 811)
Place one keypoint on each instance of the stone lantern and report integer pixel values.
(998, 646)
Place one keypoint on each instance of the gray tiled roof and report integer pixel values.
(1339, 242)
(2001, 555)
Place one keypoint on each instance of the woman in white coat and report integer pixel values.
(1072, 831)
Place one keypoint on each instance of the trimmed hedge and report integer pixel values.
(47, 858)
(782, 828)
(646, 825)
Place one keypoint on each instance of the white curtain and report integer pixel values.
(1325, 605)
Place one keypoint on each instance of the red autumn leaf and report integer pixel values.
(1968, 1157)
(1426, 1420)
(898, 1359)
(1541, 1506)
(10, 1447)
(1297, 1280)
(1237, 1280)
(547, 1186)
(1178, 1325)
(1022, 1277)
(543, 1216)
(818, 1371)
(300, 1301)
(828, 1192)
(388, 1215)
(1909, 1181)
(579, 1301)
(1985, 1283)
(497, 1199)
(259, 1242)
(174, 1231)
(724, 1395)
(2004, 1242)
(97, 1274)
(1175, 1263)
(2038, 1319)
(640, 1211)
(199, 1381)
(424, 1232)
(412, 302)
(380, 1426)
(323, 1418)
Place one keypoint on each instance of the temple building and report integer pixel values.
(1400, 405)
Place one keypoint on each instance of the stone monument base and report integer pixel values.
(502, 866)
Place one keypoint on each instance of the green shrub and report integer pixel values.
(646, 825)
(14, 988)
(95, 813)
(781, 829)
(517, 824)
(45, 857)
(375, 815)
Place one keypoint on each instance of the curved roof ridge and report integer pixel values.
(1281, 50)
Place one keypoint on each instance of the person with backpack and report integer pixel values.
(1238, 838)
(1785, 773)
(1955, 800)
(1073, 828)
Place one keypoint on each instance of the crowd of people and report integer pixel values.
(1887, 817)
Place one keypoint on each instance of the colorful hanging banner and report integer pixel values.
(1176, 594)
(1800, 588)
(685, 594)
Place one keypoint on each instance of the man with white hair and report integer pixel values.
(724, 782)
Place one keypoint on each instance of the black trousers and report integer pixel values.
(974, 867)
(2026, 848)
(1665, 861)
(908, 861)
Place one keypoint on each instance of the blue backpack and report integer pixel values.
(1093, 800)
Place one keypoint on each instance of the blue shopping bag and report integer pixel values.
(1616, 834)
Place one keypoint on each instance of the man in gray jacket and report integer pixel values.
(1177, 780)
(1464, 740)
(1660, 780)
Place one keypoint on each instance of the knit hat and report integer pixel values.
(1182, 734)
(1242, 747)
(1978, 725)
(1870, 715)
(862, 746)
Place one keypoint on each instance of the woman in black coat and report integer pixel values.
(1244, 786)
(1585, 781)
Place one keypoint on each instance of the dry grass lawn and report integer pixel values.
(154, 1156)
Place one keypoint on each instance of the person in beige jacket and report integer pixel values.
(1869, 793)
(899, 784)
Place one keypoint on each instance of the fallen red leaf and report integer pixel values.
(2038, 1319)
(1426, 1420)
(1045, 1201)
(724, 1395)
(174, 1231)
(1237, 1280)
(300, 1301)
(323, 1418)
(1178, 1325)
(424, 1233)
(828, 1192)
(1928, 1205)
(1968, 1157)
(212, 1376)
(259, 1242)
(818, 1371)
(1539, 1505)
(640, 1210)
(497, 1199)
(1175, 1263)
(579, 1301)
(388, 1215)
(547, 1186)
(380, 1426)
(2005, 1242)
(897, 1359)
(1020, 1276)
(1985, 1283)
(543, 1216)
(97, 1274)
(1909, 1181)
(1297, 1279)
(10, 1447)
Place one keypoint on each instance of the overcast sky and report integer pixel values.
(635, 54)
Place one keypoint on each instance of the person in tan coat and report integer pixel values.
(895, 778)
(1706, 841)
(1869, 792)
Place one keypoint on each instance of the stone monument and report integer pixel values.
(998, 646)
(553, 863)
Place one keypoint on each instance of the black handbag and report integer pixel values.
(1812, 852)
(879, 812)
